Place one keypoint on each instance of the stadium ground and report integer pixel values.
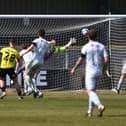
(61, 109)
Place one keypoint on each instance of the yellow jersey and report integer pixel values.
(8, 55)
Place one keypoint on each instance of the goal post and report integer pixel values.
(55, 73)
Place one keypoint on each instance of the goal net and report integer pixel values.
(118, 49)
(55, 73)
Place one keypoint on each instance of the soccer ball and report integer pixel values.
(84, 31)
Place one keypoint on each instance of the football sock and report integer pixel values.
(90, 105)
(25, 86)
(119, 84)
(94, 98)
(35, 84)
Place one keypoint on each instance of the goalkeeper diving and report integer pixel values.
(55, 50)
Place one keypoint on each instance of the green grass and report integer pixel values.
(61, 109)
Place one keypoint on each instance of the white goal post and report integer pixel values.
(64, 16)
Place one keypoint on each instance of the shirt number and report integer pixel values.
(9, 57)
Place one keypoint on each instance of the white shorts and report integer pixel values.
(33, 68)
(91, 82)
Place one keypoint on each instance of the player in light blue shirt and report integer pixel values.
(40, 47)
(96, 59)
(95, 53)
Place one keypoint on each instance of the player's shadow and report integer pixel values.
(117, 115)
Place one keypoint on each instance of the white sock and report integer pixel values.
(35, 84)
(90, 105)
(119, 84)
(25, 86)
(30, 82)
(94, 98)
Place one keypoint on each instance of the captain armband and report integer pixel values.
(83, 55)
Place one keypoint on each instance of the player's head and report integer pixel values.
(41, 33)
(92, 34)
(12, 42)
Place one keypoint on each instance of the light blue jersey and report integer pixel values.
(41, 47)
(95, 53)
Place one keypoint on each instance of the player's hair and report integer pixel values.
(92, 34)
(41, 33)
(13, 41)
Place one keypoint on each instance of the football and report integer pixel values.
(84, 31)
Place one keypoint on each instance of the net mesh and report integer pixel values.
(62, 29)
(118, 46)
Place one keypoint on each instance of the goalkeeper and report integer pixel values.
(55, 50)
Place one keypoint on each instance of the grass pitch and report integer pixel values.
(61, 109)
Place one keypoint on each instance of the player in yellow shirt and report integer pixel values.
(9, 65)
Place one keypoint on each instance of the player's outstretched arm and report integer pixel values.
(55, 50)
(30, 48)
(72, 41)
(63, 48)
(79, 61)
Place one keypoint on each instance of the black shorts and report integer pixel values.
(8, 71)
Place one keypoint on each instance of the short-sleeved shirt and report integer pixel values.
(41, 48)
(95, 53)
(8, 56)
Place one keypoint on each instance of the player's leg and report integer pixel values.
(18, 88)
(29, 74)
(93, 97)
(123, 74)
(25, 87)
(89, 86)
(29, 84)
(119, 84)
(120, 81)
(40, 94)
(28, 87)
(90, 106)
(3, 88)
(32, 71)
(13, 76)
(2, 83)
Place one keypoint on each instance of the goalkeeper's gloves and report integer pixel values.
(72, 41)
